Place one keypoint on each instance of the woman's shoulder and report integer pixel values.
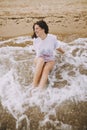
(52, 36)
(36, 39)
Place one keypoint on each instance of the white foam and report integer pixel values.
(17, 98)
(17, 40)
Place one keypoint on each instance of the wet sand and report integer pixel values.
(66, 18)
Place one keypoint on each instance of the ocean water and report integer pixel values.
(16, 73)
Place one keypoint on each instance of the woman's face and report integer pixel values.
(38, 30)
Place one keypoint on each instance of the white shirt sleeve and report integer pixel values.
(57, 43)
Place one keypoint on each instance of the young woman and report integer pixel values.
(44, 45)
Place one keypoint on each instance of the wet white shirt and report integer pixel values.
(45, 48)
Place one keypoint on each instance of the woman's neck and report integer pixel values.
(43, 36)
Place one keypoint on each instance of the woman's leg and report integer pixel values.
(46, 70)
(38, 71)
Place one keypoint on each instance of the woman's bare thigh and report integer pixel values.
(38, 60)
(49, 66)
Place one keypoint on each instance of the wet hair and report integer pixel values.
(42, 24)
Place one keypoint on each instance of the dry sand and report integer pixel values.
(65, 18)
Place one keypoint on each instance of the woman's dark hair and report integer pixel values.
(42, 24)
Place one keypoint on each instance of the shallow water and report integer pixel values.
(67, 81)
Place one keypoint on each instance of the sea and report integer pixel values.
(66, 82)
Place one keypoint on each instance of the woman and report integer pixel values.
(44, 45)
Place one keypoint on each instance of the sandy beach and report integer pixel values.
(66, 18)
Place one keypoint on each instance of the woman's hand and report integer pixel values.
(61, 50)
